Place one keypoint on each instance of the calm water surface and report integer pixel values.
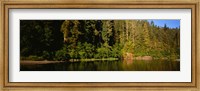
(136, 65)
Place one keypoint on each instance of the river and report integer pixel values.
(136, 65)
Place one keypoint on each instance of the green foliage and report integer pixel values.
(116, 51)
(89, 50)
(32, 57)
(103, 52)
(62, 55)
(46, 55)
(85, 39)
(40, 38)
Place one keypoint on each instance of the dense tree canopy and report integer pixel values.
(81, 39)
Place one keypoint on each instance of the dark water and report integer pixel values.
(136, 65)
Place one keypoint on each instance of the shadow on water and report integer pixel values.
(136, 65)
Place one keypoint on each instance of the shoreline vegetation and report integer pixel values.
(93, 59)
(96, 40)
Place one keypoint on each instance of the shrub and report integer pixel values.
(103, 52)
(35, 58)
(46, 55)
(61, 55)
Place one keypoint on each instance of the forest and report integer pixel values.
(62, 40)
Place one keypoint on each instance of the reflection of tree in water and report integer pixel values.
(134, 65)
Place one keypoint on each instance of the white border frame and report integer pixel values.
(184, 75)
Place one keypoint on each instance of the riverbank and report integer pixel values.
(93, 59)
(33, 62)
(30, 62)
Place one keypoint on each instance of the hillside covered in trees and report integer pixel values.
(96, 39)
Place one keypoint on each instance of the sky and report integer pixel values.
(169, 23)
